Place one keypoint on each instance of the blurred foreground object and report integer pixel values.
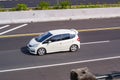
(81, 74)
(85, 74)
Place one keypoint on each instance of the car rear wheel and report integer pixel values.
(73, 48)
(41, 51)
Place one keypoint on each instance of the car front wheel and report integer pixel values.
(41, 51)
(73, 48)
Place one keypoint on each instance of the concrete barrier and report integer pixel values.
(55, 15)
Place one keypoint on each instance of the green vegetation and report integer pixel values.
(62, 5)
(97, 6)
(65, 5)
(1, 9)
(56, 6)
(20, 7)
(43, 5)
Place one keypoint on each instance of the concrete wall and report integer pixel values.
(55, 15)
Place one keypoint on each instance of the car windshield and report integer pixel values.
(43, 37)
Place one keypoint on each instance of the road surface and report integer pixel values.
(99, 51)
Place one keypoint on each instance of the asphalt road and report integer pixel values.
(99, 51)
(34, 3)
(69, 24)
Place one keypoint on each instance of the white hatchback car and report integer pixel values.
(55, 41)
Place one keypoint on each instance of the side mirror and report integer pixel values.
(49, 41)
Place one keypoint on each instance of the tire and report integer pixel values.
(41, 51)
(74, 48)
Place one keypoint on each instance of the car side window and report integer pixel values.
(65, 36)
(55, 38)
(72, 36)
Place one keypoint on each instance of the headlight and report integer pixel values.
(35, 45)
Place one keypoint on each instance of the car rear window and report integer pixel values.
(65, 36)
(72, 36)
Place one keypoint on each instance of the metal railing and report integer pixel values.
(112, 76)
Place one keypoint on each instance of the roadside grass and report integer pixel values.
(95, 6)
(63, 5)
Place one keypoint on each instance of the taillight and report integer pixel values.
(78, 39)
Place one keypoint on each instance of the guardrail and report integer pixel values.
(112, 76)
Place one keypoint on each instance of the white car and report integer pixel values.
(55, 41)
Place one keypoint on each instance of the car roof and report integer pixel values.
(63, 31)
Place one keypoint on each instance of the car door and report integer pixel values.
(65, 42)
(53, 44)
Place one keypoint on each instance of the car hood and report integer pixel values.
(33, 42)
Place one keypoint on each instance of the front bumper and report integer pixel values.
(31, 50)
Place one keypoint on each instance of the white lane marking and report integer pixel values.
(13, 29)
(96, 42)
(60, 64)
(4, 26)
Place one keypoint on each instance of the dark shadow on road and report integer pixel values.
(25, 51)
